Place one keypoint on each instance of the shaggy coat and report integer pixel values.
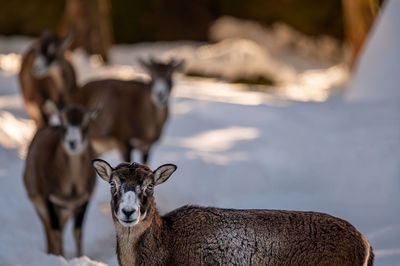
(133, 112)
(57, 86)
(193, 235)
(129, 118)
(58, 183)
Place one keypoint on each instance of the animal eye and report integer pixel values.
(150, 187)
(113, 188)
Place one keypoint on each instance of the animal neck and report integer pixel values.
(138, 244)
(58, 79)
(83, 150)
(74, 161)
(160, 108)
(159, 114)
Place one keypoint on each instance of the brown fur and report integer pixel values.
(56, 87)
(129, 118)
(58, 184)
(194, 235)
(127, 113)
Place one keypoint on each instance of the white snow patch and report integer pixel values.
(15, 133)
(10, 63)
(219, 140)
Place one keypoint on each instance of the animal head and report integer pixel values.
(75, 122)
(49, 50)
(161, 78)
(132, 186)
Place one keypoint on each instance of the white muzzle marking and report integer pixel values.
(129, 204)
(73, 141)
(160, 92)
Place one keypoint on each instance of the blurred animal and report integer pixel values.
(46, 74)
(133, 112)
(194, 235)
(58, 174)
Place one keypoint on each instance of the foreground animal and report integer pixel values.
(133, 112)
(46, 74)
(59, 177)
(211, 236)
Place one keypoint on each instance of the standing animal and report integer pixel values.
(133, 112)
(58, 176)
(194, 235)
(46, 74)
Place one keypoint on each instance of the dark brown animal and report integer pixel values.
(194, 235)
(46, 74)
(133, 112)
(59, 177)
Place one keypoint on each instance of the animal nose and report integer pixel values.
(128, 213)
(72, 144)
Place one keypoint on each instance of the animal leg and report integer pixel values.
(145, 154)
(44, 120)
(79, 216)
(43, 213)
(55, 239)
(126, 151)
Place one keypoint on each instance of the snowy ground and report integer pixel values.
(234, 148)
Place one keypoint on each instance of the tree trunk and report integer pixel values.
(89, 20)
(359, 16)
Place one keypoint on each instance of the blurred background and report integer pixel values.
(123, 21)
(288, 104)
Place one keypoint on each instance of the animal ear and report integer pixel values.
(177, 65)
(162, 173)
(46, 33)
(154, 61)
(50, 108)
(103, 169)
(96, 111)
(66, 41)
(52, 111)
(144, 63)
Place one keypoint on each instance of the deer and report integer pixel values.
(193, 235)
(133, 112)
(46, 74)
(58, 175)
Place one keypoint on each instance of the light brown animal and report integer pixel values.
(46, 74)
(133, 112)
(194, 235)
(58, 175)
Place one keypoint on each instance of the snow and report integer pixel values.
(381, 84)
(235, 147)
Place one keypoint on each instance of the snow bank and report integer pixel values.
(280, 39)
(377, 74)
(303, 68)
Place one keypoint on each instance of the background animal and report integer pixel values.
(46, 74)
(194, 235)
(133, 112)
(58, 176)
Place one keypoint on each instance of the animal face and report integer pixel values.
(161, 76)
(75, 121)
(49, 52)
(161, 88)
(132, 187)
